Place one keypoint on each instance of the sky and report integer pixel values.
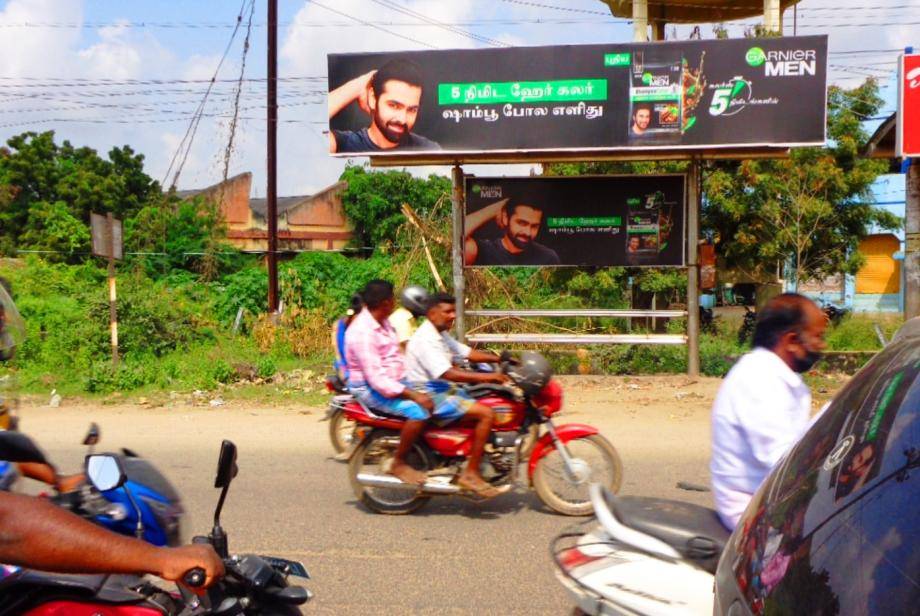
(106, 73)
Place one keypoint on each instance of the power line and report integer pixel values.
(372, 25)
(440, 24)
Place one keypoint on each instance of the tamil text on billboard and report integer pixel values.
(908, 125)
(735, 93)
(577, 221)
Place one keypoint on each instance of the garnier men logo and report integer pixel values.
(755, 56)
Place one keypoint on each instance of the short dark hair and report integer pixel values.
(376, 292)
(511, 207)
(784, 313)
(396, 70)
(641, 107)
(441, 298)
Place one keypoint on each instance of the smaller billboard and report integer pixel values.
(908, 125)
(575, 221)
(101, 229)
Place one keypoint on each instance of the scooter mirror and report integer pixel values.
(226, 465)
(17, 447)
(92, 436)
(105, 471)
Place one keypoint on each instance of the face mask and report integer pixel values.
(804, 364)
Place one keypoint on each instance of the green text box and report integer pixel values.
(617, 59)
(557, 222)
(522, 92)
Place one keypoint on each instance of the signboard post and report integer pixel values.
(107, 242)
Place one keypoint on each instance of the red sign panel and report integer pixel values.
(909, 107)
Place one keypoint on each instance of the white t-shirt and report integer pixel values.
(431, 353)
(762, 408)
(404, 324)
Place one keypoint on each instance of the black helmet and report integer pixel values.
(531, 372)
(415, 299)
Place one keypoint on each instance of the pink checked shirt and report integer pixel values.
(373, 356)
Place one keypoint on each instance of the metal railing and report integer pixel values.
(578, 339)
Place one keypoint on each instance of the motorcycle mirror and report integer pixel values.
(17, 447)
(92, 436)
(226, 465)
(105, 471)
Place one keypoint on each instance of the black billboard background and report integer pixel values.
(593, 197)
(772, 110)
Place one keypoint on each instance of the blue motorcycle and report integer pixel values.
(150, 509)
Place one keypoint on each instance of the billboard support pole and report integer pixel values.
(693, 268)
(456, 249)
(271, 159)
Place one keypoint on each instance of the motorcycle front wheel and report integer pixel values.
(598, 462)
(341, 430)
(371, 457)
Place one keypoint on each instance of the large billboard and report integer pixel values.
(737, 93)
(908, 124)
(635, 220)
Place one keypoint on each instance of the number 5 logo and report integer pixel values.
(721, 97)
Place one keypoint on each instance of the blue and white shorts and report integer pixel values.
(450, 402)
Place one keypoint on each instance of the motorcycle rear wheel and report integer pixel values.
(341, 431)
(370, 457)
(553, 486)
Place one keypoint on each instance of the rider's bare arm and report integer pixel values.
(466, 376)
(486, 357)
(36, 534)
(472, 223)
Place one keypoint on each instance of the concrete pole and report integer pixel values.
(658, 30)
(640, 21)
(694, 198)
(456, 249)
(912, 245)
(772, 16)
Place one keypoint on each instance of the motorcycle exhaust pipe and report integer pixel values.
(388, 481)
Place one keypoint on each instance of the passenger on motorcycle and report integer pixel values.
(430, 358)
(414, 304)
(338, 336)
(763, 406)
(377, 374)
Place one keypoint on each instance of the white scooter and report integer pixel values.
(646, 556)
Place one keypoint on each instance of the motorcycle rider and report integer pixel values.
(763, 405)
(12, 331)
(37, 535)
(414, 300)
(430, 358)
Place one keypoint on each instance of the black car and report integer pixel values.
(835, 528)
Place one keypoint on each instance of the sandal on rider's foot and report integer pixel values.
(483, 490)
(418, 477)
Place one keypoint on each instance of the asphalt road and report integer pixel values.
(452, 557)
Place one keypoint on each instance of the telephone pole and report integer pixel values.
(271, 192)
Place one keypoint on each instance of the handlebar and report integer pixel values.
(194, 578)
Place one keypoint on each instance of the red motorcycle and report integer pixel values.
(562, 461)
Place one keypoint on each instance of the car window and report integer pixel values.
(834, 529)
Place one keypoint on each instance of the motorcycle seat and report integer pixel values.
(694, 532)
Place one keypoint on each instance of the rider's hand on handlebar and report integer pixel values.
(177, 561)
(497, 378)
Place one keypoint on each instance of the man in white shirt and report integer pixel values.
(763, 406)
(430, 358)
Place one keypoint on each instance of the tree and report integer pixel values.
(373, 201)
(40, 178)
(810, 210)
